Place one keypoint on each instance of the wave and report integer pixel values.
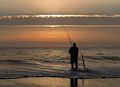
(58, 59)
(102, 57)
(56, 68)
(15, 62)
(24, 62)
(80, 74)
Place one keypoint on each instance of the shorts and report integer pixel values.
(73, 60)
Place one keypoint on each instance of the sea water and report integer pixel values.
(19, 62)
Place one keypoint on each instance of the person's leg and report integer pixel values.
(72, 63)
(72, 66)
(76, 65)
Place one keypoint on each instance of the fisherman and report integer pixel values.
(74, 56)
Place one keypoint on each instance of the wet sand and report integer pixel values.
(59, 82)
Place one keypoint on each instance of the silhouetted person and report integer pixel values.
(74, 56)
(74, 82)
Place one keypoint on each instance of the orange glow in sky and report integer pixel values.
(38, 36)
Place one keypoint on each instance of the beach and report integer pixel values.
(59, 82)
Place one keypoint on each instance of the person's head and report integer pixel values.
(74, 44)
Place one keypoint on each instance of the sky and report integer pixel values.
(107, 12)
(12, 7)
(17, 36)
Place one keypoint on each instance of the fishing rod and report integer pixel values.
(68, 36)
(70, 41)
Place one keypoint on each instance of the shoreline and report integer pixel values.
(78, 74)
(27, 77)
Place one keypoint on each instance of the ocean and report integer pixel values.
(18, 62)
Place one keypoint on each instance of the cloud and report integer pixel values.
(60, 20)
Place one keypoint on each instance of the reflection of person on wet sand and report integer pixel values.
(74, 56)
(73, 82)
